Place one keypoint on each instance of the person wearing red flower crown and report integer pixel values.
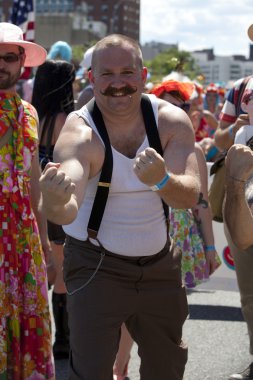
(25, 337)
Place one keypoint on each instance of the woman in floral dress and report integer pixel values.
(25, 332)
(25, 338)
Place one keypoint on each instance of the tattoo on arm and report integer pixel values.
(202, 201)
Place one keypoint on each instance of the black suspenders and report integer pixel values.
(104, 182)
(153, 136)
(102, 192)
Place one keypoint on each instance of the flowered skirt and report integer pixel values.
(25, 330)
(186, 234)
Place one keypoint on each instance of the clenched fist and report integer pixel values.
(149, 167)
(56, 187)
(239, 162)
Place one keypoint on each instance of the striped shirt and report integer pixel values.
(228, 112)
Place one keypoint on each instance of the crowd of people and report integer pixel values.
(104, 190)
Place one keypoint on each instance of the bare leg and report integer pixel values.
(123, 355)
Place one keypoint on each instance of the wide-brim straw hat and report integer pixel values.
(11, 34)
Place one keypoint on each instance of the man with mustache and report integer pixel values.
(125, 269)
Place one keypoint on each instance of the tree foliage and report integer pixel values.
(79, 50)
(172, 60)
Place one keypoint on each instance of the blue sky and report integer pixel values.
(198, 24)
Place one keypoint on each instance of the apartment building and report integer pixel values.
(223, 69)
(79, 22)
(119, 16)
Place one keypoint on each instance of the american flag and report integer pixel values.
(23, 15)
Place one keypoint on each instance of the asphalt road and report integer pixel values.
(215, 333)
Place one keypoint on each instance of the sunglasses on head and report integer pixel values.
(10, 57)
(184, 106)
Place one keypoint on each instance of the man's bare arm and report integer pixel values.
(179, 159)
(237, 213)
(225, 133)
(63, 184)
(183, 189)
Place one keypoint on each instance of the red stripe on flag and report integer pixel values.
(23, 16)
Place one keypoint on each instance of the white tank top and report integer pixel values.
(133, 223)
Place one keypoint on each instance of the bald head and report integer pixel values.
(114, 41)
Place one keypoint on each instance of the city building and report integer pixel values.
(223, 69)
(151, 49)
(119, 16)
(83, 22)
(80, 22)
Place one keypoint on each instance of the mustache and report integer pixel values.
(4, 72)
(123, 91)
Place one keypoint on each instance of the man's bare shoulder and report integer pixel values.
(168, 112)
(78, 128)
(74, 121)
(77, 138)
(173, 121)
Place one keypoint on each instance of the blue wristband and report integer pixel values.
(209, 248)
(161, 184)
(231, 131)
(211, 153)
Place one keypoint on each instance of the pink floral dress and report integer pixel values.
(25, 331)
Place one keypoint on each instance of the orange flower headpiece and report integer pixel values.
(185, 89)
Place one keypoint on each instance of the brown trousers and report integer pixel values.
(106, 290)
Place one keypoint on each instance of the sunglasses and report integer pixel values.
(10, 57)
(184, 106)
